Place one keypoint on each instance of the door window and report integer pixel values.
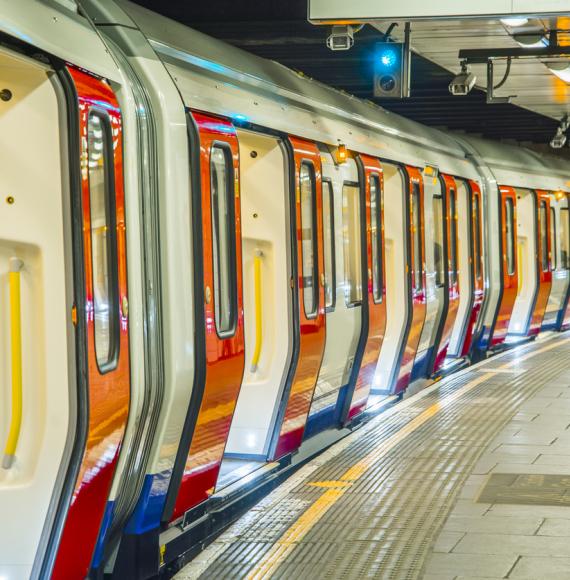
(417, 238)
(329, 249)
(351, 238)
(553, 245)
(453, 236)
(510, 235)
(438, 246)
(103, 240)
(478, 242)
(564, 237)
(376, 238)
(223, 239)
(309, 238)
(543, 236)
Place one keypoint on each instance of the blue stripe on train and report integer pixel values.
(148, 511)
(107, 519)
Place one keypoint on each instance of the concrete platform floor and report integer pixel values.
(470, 478)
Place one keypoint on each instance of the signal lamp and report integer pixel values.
(341, 153)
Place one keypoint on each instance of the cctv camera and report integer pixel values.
(341, 38)
(559, 140)
(462, 84)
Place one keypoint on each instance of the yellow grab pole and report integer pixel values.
(258, 320)
(16, 266)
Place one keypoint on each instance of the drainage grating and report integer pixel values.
(527, 489)
(385, 522)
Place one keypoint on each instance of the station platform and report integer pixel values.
(469, 478)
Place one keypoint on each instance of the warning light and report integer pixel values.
(341, 153)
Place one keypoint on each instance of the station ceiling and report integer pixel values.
(279, 31)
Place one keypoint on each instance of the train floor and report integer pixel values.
(469, 478)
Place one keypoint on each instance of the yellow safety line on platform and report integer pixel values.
(307, 521)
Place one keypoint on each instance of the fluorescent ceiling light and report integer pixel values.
(514, 22)
(561, 70)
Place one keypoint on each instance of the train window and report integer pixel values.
(103, 240)
(417, 238)
(510, 235)
(376, 238)
(309, 238)
(453, 236)
(329, 254)
(223, 244)
(564, 237)
(553, 247)
(478, 244)
(543, 216)
(438, 245)
(351, 245)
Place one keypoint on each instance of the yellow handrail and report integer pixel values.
(258, 320)
(16, 266)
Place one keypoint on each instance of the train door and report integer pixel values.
(397, 279)
(509, 264)
(436, 299)
(405, 278)
(37, 357)
(559, 246)
(564, 315)
(417, 264)
(527, 258)
(198, 464)
(104, 317)
(309, 307)
(343, 228)
(471, 281)
(266, 243)
(451, 265)
(545, 260)
(376, 295)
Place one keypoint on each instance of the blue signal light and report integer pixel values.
(388, 58)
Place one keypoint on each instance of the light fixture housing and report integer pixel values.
(535, 40)
(341, 153)
(514, 22)
(561, 69)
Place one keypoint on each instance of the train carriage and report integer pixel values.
(209, 263)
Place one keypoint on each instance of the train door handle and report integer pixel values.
(16, 266)
(208, 295)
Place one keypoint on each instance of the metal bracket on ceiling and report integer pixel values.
(491, 99)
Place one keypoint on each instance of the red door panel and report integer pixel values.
(376, 291)
(452, 269)
(108, 388)
(312, 328)
(510, 266)
(544, 275)
(223, 309)
(418, 278)
(476, 261)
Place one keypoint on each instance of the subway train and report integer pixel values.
(211, 264)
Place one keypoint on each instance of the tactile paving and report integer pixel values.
(383, 523)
